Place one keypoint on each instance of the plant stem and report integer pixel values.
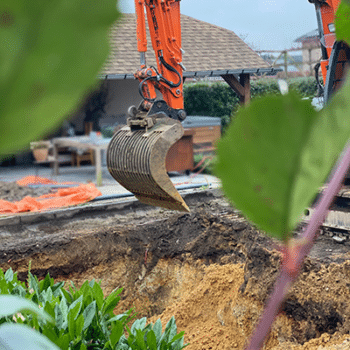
(286, 279)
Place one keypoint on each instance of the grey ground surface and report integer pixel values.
(85, 174)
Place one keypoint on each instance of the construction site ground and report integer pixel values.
(209, 268)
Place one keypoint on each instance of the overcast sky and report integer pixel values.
(263, 24)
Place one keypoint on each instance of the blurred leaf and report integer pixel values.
(342, 21)
(277, 154)
(10, 305)
(19, 337)
(51, 53)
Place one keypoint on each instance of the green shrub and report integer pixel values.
(204, 163)
(84, 318)
(219, 100)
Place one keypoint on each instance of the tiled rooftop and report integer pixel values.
(207, 48)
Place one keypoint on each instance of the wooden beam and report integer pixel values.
(245, 82)
(234, 84)
(241, 87)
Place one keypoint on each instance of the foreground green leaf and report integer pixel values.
(10, 305)
(342, 21)
(19, 337)
(51, 52)
(277, 154)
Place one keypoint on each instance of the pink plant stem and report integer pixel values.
(286, 278)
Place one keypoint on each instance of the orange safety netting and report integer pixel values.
(62, 198)
(37, 180)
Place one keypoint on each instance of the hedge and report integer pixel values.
(219, 100)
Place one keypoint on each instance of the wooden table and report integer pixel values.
(97, 144)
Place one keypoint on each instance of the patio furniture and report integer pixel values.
(95, 144)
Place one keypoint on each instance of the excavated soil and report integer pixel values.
(210, 268)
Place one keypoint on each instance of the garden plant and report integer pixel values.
(73, 318)
(274, 158)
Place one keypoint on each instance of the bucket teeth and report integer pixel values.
(136, 159)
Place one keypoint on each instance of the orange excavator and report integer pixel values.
(137, 152)
(335, 54)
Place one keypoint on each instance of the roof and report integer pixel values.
(308, 37)
(209, 50)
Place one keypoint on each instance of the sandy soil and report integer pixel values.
(209, 268)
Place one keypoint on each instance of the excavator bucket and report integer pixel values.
(136, 159)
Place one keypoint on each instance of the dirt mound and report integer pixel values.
(209, 268)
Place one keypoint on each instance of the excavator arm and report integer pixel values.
(137, 152)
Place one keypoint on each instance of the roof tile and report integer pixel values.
(207, 48)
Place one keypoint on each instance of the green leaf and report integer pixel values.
(50, 332)
(33, 283)
(342, 22)
(56, 288)
(75, 307)
(10, 305)
(3, 287)
(138, 324)
(60, 317)
(86, 292)
(19, 337)
(89, 314)
(65, 295)
(63, 341)
(49, 309)
(116, 332)
(45, 283)
(276, 155)
(64, 308)
(9, 275)
(120, 317)
(50, 54)
(171, 329)
(157, 329)
(111, 301)
(140, 341)
(98, 295)
(46, 295)
(79, 325)
(151, 340)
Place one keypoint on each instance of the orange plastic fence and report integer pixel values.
(37, 180)
(62, 198)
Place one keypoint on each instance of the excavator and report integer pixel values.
(137, 152)
(335, 54)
